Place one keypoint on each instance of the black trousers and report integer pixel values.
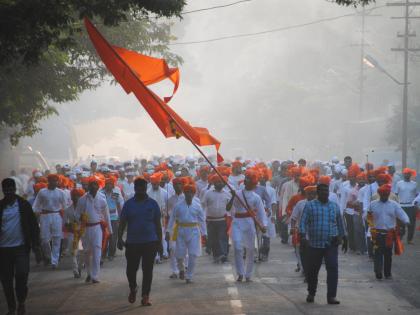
(350, 230)
(145, 252)
(218, 238)
(14, 265)
(411, 212)
(284, 231)
(313, 261)
(382, 256)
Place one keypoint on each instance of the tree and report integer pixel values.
(47, 58)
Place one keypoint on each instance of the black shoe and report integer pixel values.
(88, 279)
(379, 276)
(11, 312)
(21, 310)
(333, 301)
(388, 277)
(182, 275)
(240, 278)
(310, 298)
(132, 296)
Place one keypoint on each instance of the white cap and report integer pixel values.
(335, 160)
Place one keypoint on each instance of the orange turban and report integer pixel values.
(216, 178)
(266, 174)
(54, 177)
(354, 170)
(177, 180)
(39, 186)
(96, 179)
(306, 181)
(384, 190)
(111, 180)
(310, 188)
(224, 170)
(362, 176)
(409, 171)
(252, 175)
(385, 178)
(156, 178)
(77, 192)
(295, 172)
(204, 168)
(324, 180)
(189, 188)
(315, 173)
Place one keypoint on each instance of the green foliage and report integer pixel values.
(47, 57)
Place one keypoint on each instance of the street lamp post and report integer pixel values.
(371, 62)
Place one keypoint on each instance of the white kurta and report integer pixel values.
(189, 238)
(243, 230)
(289, 189)
(96, 209)
(51, 224)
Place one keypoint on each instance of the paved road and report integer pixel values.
(276, 289)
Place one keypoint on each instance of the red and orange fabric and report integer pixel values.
(326, 180)
(354, 170)
(156, 178)
(410, 171)
(123, 65)
(39, 186)
(292, 203)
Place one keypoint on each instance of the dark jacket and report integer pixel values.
(28, 220)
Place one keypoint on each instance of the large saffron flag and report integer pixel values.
(133, 72)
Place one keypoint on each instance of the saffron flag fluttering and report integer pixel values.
(134, 72)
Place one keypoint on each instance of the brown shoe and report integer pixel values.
(145, 301)
(132, 296)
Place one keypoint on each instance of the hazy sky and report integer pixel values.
(260, 95)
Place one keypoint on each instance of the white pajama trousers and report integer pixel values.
(92, 245)
(243, 236)
(51, 225)
(188, 243)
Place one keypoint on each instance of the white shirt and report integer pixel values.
(333, 198)
(160, 196)
(395, 179)
(96, 209)
(184, 213)
(201, 188)
(298, 211)
(236, 180)
(254, 202)
(386, 213)
(290, 189)
(11, 229)
(214, 204)
(70, 215)
(367, 198)
(173, 201)
(407, 192)
(348, 194)
(50, 200)
(127, 189)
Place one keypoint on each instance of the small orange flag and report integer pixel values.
(133, 72)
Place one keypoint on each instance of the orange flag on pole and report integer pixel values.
(133, 72)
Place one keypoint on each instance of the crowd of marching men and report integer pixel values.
(238, 206)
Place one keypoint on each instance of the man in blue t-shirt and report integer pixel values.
(142, 217)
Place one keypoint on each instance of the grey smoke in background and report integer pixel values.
(261, 95)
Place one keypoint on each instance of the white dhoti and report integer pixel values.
(172, 257)
(51, 231)
(188, 242)
(243, 236)
(92, 245)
